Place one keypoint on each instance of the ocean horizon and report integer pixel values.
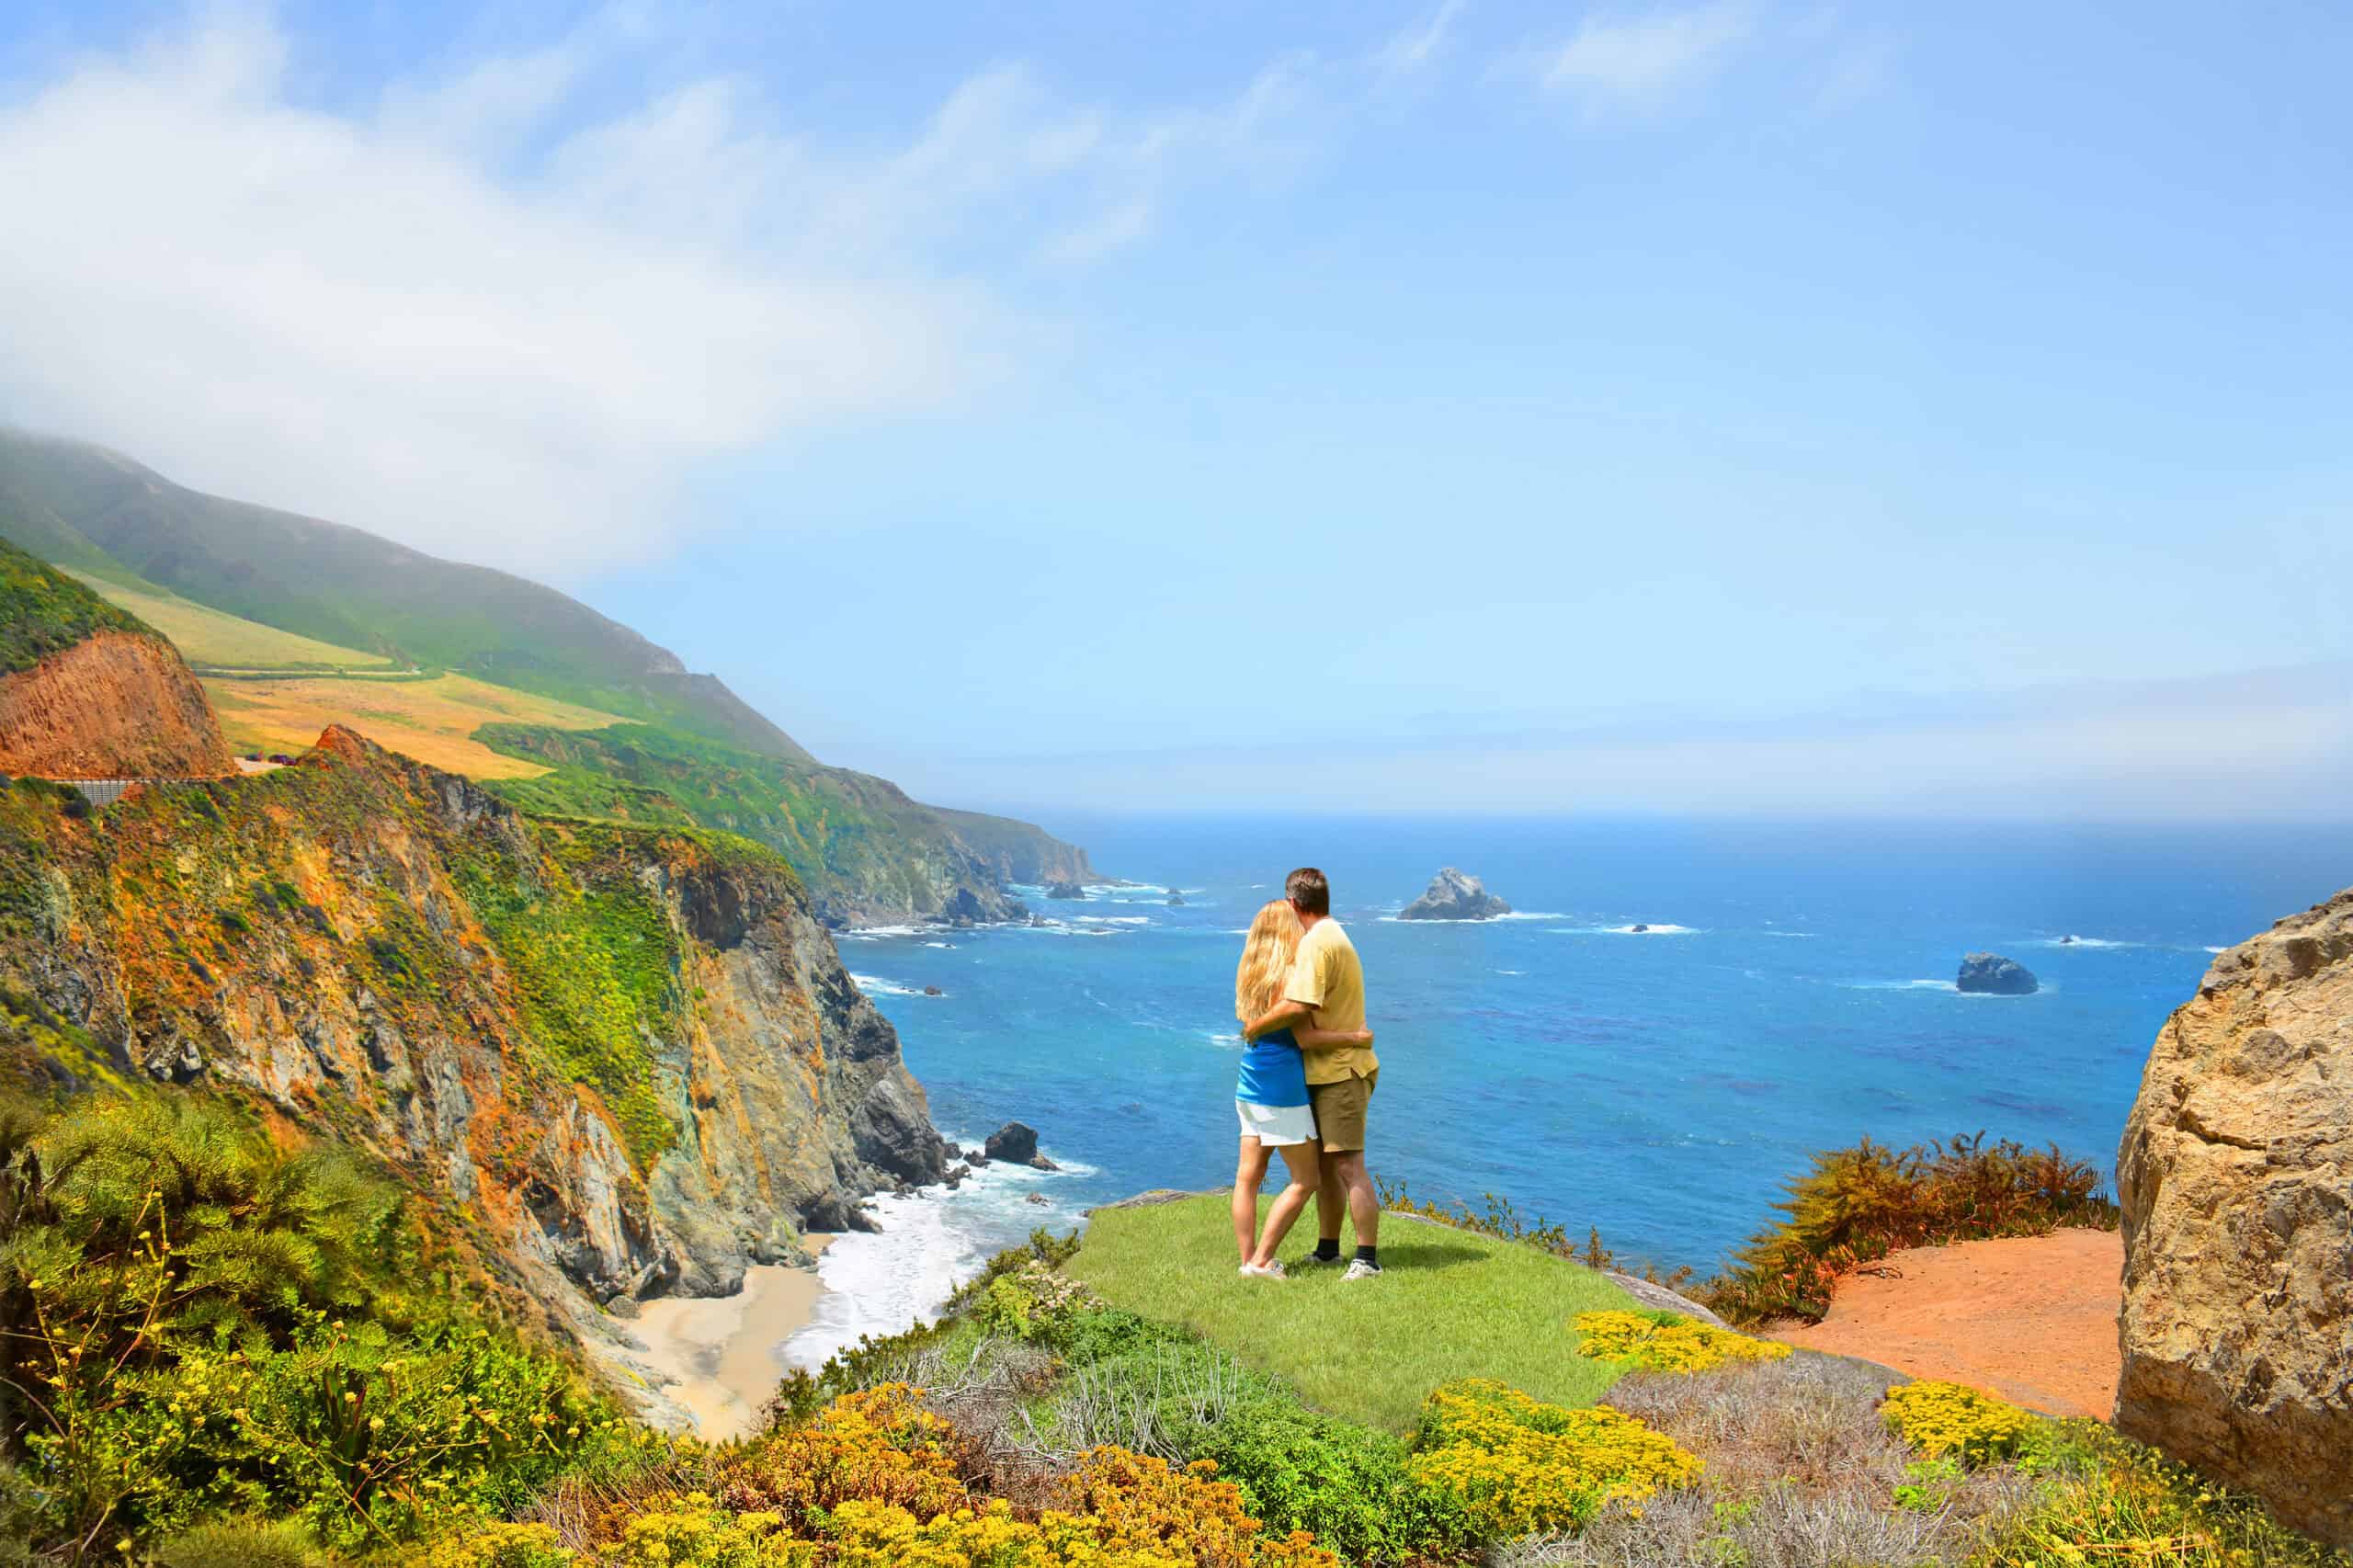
(1793, 991)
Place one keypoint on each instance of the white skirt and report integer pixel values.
(1276, 1124)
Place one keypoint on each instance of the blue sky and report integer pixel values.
(1719, 406)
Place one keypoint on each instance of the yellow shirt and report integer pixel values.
(1325, 975)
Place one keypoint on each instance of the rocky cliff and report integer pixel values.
(116, 705)
(627, 1060)
(2236, 1180)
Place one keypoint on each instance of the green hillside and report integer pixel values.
(45, 611)
(865, 850)
(88, 508)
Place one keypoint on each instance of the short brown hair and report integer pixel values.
(1308, 892)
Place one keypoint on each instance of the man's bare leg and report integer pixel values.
(1356, 1185)
(1331, 1199)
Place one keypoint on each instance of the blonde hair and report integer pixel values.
(1266, 959)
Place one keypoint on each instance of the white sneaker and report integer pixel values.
(1258, 1272)
(1359, 1269)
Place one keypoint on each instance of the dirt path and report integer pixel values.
(2034, 1319)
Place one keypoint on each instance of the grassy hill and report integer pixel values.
(45, 611)
(1449, 1304)
(210, 639)
(91, 509)
(864, 849)
(433, 718)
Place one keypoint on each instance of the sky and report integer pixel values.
(1737, 406)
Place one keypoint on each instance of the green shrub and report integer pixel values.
(1349, 1484)
(1862, 1203)
(242, 1543)
(200, 1325)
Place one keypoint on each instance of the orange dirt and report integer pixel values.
(2032, 1318)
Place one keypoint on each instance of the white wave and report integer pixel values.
(1659, 928)
(1115, 919)
(1511, 971)
(1808, 934)
(1216, 1039)
(1901, 985)
(871, 933)
(939, 944)
(931, 1242)
(1480, 920)
(2218, 950)
(2082, 942)
(875, 985)
(1056, 928)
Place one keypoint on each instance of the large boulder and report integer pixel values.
(1017, 1143)
(2236, 1179)
(1991, 974)
(1452, 896)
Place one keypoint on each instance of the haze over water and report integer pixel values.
(1794, 994)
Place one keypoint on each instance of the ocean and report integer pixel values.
(1793, 992)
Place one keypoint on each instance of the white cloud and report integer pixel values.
(1414, 50)
(1638, 63)
(467, 319)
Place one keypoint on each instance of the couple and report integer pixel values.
(1308, 1071)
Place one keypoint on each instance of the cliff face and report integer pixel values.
(627, 1060)
(2236, 1180)
(115, 705)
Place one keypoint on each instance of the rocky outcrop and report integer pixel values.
(116, 705)
(632, 1055)
(1991, 974)
(1452, 896)
(2236, 1179)
(1017, 1143)
(1065, 890)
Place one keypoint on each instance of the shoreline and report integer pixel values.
(720, 1357)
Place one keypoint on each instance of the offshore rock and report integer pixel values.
(2235, 1176)
(1452, 896)
(1017, 1143)
(1065, 890)
(1992, 974)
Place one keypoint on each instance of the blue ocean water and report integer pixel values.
(1793, 992)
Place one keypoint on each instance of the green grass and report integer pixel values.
(212, 638)
(1449, 1304)
(44, 611)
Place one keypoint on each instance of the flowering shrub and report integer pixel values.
(1030, 1302)
(1667, 1341)
(1149, 1509)
(1947, 1418)
(1521, 1466)
(494, 1545)
(878, 1446)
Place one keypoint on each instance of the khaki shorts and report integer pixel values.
(1340, 1110)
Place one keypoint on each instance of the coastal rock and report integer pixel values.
(933, 991)
(1065, 890)
(1175, 901)
(1452, 896)
(1036, 1197)
(1994, 975)
(1017, 1143)
(2235, 1176)
(1638, 928)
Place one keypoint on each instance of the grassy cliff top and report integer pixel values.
(1449, 1304)
(43, 611)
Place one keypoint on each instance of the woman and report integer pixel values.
(1271, 1096)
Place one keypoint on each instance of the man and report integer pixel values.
(1326, 989)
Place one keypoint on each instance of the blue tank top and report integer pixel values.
(1273, 1071)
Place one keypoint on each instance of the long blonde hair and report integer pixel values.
(1266, 959)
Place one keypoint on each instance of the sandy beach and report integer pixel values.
(722, 1356)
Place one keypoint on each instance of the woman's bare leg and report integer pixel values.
(1302, 1160)
(1249, 1172)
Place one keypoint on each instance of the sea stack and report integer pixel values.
(1065, 890)
(1452, 896)
(2237, 1326)
(1991, 974)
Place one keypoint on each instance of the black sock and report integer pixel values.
(1328, 1249)
(1366, 1255)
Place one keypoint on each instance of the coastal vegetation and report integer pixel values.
(45, 611)
(436, 718)
(210, 639)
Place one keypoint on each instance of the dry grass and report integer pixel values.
(1800, 1470)
(215, 639)
(433, 721)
